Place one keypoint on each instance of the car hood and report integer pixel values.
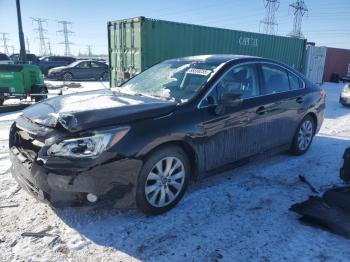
(59, 68)
(93, 109)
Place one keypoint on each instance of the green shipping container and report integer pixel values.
(136, 44)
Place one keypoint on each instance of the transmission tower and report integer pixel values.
(66, 32)
(49, 47)
(41, 34)
(89, 50)
(269, 22)
(12, 48)
(27, 42)
(4, 40)
(299, 10)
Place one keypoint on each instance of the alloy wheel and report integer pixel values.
(165, 181)
(305, 135)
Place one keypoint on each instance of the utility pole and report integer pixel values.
(269, 22)
(41, 34)
(299, 10)
(4, 40)
(65, 32)
(22, 46)
(89, 51)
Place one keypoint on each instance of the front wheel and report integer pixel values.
(2, 100)
(162, 181)
(304, 135)
(67, 77)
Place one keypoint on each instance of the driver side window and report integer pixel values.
(241, 80)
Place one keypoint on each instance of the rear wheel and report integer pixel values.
(163, 180)
(67, 77)
(42, 91)
(304, 135)
(2, 100)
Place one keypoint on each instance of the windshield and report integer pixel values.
(177, 80)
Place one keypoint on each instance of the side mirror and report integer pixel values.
(231, 100)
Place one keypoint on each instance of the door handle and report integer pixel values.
(299, 100)
(261, 110)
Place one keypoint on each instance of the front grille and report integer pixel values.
(27, 144)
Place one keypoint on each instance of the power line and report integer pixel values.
(269, 22)
(41, 34)
(299, 10)
(5, 43)
(66, 32)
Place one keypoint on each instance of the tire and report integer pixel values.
(303, 136)
(105, 76)
(42, 91)
(67, 76)
(2, 100)
(157, 192)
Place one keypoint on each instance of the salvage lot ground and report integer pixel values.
(239, 215)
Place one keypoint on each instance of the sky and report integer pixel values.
(327, 22)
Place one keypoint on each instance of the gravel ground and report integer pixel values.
(238, 215)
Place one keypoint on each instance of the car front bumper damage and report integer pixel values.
(113, 182)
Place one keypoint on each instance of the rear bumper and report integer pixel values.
(114, 183)
(6, 95)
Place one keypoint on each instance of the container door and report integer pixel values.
(314, 63)
(125, 45)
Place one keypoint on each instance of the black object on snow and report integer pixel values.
(304, 180)
(345, 170)
(332, 211)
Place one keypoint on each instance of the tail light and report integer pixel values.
(323, 94)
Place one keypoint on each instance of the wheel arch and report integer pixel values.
(184, 145)
(314, 117)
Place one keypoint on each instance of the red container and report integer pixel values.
(337, 62)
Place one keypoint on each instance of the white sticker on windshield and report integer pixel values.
(197, 71)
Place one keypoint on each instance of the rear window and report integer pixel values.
(4, 57)
(276, 79)
(294, 82)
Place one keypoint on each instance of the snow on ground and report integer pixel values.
(239, 215)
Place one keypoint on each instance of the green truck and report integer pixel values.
(135, 44)
(21, 81)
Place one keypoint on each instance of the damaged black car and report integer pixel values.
(139, 145)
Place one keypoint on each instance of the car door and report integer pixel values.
(283, 98)
(81, 70)
(234, 133)
(97, 69)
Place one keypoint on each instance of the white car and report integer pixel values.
(4, 59)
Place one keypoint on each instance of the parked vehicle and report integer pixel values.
(81, 69)
(4, 59)
(31, 59)
(132, 43)
(344, 98)
(140, 144)
(21, 81)
(48, 62)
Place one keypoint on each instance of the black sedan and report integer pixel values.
(80, 70)
(139, 145)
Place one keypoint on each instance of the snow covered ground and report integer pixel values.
(239, 215)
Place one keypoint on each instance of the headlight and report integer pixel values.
(88, 146)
